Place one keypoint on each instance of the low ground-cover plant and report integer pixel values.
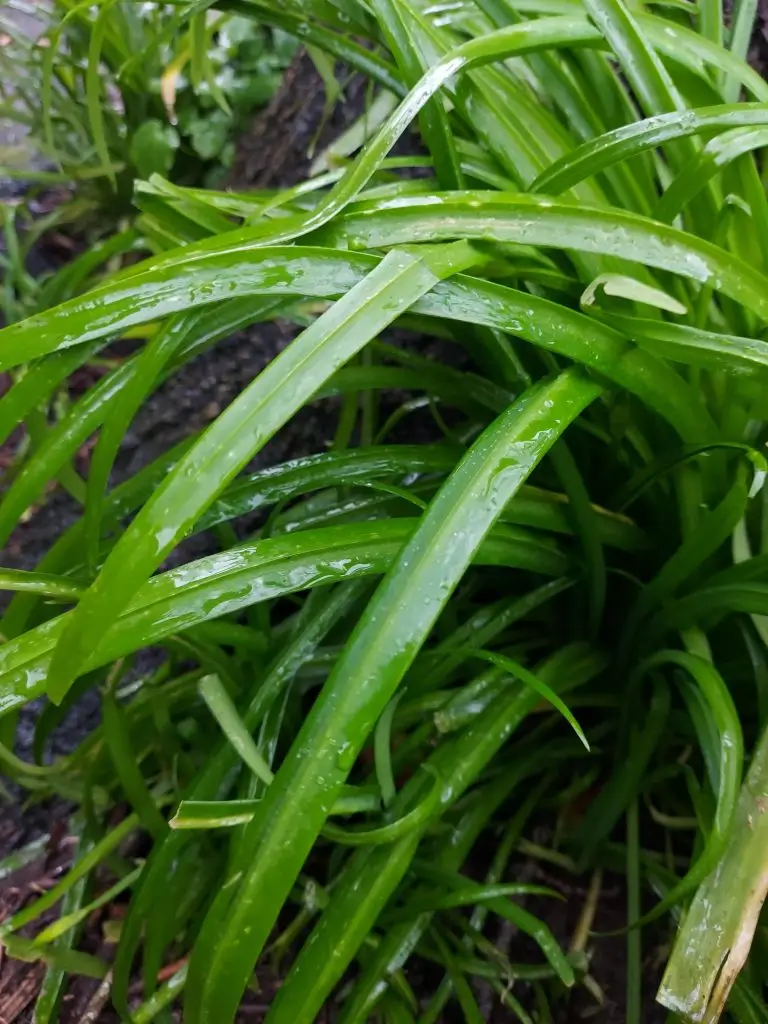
(557, 609)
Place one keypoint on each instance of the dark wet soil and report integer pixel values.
(758, 51)
(274, 153)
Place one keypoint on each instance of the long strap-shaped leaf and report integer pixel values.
(58, 446)
(650, 80)
(326, 273)
(717, 154)
(534, 220)
(148, 368)
(243, 576)
(37, 384)
(385, 642)
(683, 344)
(433, 119)
(241, 431)
(716, 935)
(718, 707)
(625, 142)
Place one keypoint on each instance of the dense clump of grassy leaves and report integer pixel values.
(361, 705)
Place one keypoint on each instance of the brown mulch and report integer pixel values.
(20, 981)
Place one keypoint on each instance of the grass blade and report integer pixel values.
(128, 767)
(623, 143)
(224, 711)
(93, 90)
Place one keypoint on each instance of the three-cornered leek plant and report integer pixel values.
(522, 578)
